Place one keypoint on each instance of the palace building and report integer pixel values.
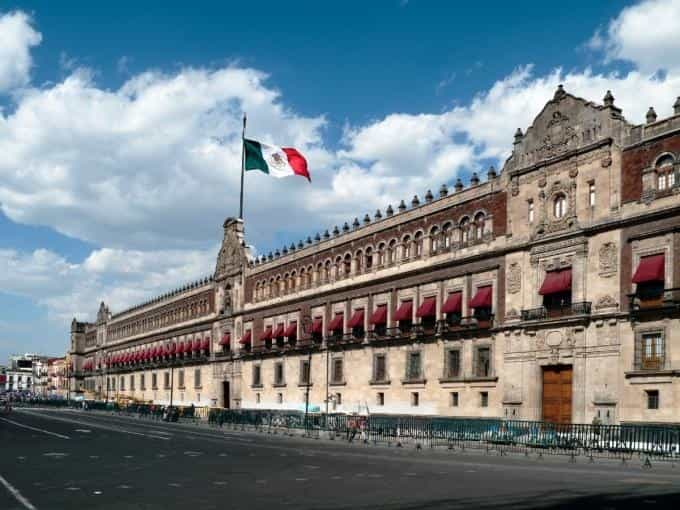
(550, 291)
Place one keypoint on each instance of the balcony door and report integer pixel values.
(557, 393)
(225, 395)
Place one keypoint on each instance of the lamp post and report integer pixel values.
(306, 322)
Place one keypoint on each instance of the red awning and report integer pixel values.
(556, 281)
(482, 299)
(197, 344)
(404, 312)
(246, 338)
(180, 348)
(173, 348)
(266, 334)
(317, 325)
(650, 269)
(379, 316)
(291, 330)
(205, 346)
(357, 319)
(337, 321)
(428, 308)
(453, 303)
(226, 339)
(278, 331)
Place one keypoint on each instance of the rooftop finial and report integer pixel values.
(651, 115)
(609, 99)
(676, 106)
(443, 191)
(518, 135)
(559, 93)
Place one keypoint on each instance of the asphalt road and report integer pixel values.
(69, 459)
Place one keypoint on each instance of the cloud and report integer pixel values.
(17, 37)
(121, 278)
(645, 34)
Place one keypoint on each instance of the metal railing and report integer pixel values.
(668, 299)
(566, 310)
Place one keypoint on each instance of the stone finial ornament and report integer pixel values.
(378, 214)
(491, 173)
(459, 185)
(429, 197)
(336, 231)
(559, 93)
(608, 99)
(345, 227)
(651, 115)
(415, 202)
(326, 234)
(474, 180)
(443, 190)
(367, 219)
(389, 211)
(402, 206)
(356, 223)
(518, 135)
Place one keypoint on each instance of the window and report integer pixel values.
(380, 398)
(166, 380)
(338, 399)
(560, 206)
(278, 373)
(482, 362)
(132, 382)
(304, 371)
(337, 375)
(279, 398)
(483, 399)
(414, 366)
(415, 399)
(142, 382)
(180, 379)
(454, 399)
(122, 383)
(197, 378)
(452, 363)
(446, 235)
(257, 373)
(257, 398)
(591, 193)
(652, 351)
(380, 367)
(652, 399)
(479, 226)
(418, 244)
(465, 230)
(154, 381)
(368, 260)
(406, 249)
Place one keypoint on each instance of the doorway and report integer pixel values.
(226, 397)
(557, 393)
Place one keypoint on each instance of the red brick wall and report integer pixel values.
(643, 156)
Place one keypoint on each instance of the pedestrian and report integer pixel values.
(353, 429)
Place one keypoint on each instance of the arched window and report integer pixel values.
(338, 267)
(446, 235)
(293, 282)
(665, 176)
(418, 244)
(465, 230)
(479, 226)
(347, 265)
(359, 261)
(310, 276)
(434, 240)
(303, 278)
(368, 258)
(391, 248)
(560, 206)
(381, 254)
(327, 271)
(406, 247)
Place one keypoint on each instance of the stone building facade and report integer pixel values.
(546, 292)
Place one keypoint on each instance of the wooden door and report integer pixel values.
(225, 395)
(557, 388)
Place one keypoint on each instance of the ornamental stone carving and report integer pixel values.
(514, 279)
(605, 301)
(608, 259)
(232, 257)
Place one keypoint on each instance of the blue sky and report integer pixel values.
(112, 186)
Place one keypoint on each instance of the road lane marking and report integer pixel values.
(61, 436)
(17, 495)
(55, 455)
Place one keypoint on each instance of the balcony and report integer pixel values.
(666, 301)
(567, 310)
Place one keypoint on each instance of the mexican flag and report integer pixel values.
(275, 161)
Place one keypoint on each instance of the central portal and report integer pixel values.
(557, 388)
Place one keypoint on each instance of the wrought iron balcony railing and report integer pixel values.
(567, 310)
(668, 299)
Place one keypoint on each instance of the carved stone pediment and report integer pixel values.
(232, 256)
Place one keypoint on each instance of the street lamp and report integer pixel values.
(306, 322)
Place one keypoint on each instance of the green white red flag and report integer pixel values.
(275, 161)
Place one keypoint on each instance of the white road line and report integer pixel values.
(17, 495)
(35, 429)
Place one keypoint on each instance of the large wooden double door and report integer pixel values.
(557, 393)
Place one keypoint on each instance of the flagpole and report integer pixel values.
(243, 165)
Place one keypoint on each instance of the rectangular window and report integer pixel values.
(530, 205)
(122, 383)
(415, 399)
(278, 373)
(591, 193)
(132, 382)
(380, 399)
(166, 380)
(338, 399)
(257, 375)
(279, 398)
(671, 179)
(483, 362)
(337, 373)
(414, 366)
(454, 399)
(154, 381)
(257, 398)
(380, 367)
(652, 399)
(142, 382)
(180, 379)
(484, 399)
(652, 354)
(197, 378)
(304, 371)
(452, 363)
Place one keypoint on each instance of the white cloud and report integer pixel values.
(17, 37)
(120, 278)
(645, 34)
